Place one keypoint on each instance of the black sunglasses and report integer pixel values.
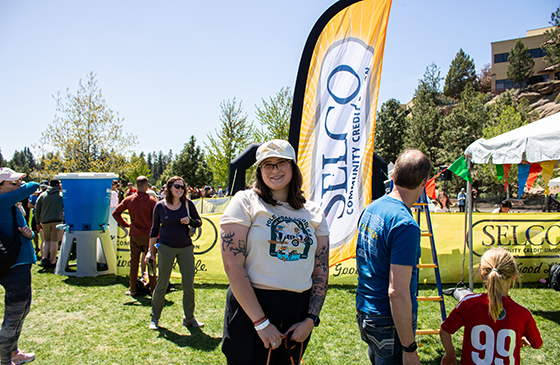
(177, 186)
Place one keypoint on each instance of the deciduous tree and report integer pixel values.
(484, 78)
(138, 167)
(274, 116)
(86, 134)
(233, 138)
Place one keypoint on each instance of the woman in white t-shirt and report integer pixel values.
(275, 249)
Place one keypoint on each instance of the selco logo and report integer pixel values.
(533, 238)
(342, 134)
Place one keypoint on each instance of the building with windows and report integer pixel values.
(500, 53)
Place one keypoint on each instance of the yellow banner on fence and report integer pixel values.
(534, 240)
(208, 259)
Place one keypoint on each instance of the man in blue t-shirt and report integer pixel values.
(387, 252)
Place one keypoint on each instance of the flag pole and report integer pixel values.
(469, 226)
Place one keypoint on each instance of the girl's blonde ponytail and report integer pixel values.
(497, 267)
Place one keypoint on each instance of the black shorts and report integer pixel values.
(34, 224)
(241, 343)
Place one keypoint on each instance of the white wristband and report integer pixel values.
(262, 326)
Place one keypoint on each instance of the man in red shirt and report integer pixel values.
(141, 209)
(131, 190)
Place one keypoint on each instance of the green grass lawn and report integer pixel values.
(91, 321)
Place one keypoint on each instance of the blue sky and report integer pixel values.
(166, 66)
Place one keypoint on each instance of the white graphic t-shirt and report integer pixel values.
(281, 241)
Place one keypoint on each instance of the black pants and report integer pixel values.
(241, 343)
(17, 283)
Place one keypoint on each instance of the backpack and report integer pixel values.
(9, 248)
(554, 277)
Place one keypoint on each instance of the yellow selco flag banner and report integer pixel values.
(333, 116)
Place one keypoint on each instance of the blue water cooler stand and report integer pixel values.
(86, 248)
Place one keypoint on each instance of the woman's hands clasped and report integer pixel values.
(271, 337)
(302, 330)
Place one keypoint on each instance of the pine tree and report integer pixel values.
(190, 164)
(431, 82)
(19, 163)
(390, 126)
(521, 64)
(461, 73)
(425, 129)
(552, 44)
(464, 125)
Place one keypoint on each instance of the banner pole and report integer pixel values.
(469, 226)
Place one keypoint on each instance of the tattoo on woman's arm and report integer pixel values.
(322, 259)
(320, 280)
(318, 293)
(229, 245)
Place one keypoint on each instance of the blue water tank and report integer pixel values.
(86, 197)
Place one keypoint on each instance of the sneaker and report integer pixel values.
(153, 324)
(21, 357)
(192, 323)
(128, 292)
(45, 263)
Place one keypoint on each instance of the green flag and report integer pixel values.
(500, 171)
(459, 167)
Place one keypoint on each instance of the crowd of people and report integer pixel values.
(193, 192)
(275, 251)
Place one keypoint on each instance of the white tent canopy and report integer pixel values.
(535, 142)
(554, 182)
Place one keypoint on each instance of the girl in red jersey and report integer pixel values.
(496, 327)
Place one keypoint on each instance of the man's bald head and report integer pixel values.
(411, 169)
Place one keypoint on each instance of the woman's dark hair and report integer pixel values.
(295, 194)
(169, 195)
(447, 201)
(506, 204)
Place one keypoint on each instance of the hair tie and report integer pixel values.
(496, 270)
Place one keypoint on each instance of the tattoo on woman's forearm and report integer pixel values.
(322, 259)
(229, 245)
(318, 293)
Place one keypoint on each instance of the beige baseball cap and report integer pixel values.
(275, 148)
